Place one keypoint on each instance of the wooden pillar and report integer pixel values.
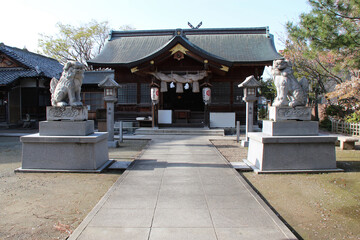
(154, 114)
(206, 116)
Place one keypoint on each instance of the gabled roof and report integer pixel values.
(250, 82)
(32, 65)
(95, 77)
(233, 45)
(109, 82)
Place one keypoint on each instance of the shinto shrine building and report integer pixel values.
(180, 63)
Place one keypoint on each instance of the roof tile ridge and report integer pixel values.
(243, 30)
(139, 33)
(34, 53)
(27, 63)
(18, 58)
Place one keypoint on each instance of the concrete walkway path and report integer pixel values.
(181, 188)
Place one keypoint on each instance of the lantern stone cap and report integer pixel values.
(108, 82)
(250, 82)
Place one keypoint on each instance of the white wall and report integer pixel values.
(222, 119)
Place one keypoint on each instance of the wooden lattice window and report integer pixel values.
(94, 100)
(220, 92)
(127, 93)
(145, 93)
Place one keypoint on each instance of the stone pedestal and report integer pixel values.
(269, 154)
(65, 143)
(65, 153)
(66, 128)
(291, 145)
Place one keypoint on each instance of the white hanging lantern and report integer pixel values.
(155, 94)
(172, 85)
(206, 95)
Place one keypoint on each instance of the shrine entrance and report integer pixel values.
(187, 108)
(183, 101)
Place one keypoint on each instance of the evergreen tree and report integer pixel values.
(331, 26)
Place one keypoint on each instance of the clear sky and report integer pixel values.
(21, 21)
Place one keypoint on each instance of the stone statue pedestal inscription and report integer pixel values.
(71, 113)
(66, 142)
(289, 113)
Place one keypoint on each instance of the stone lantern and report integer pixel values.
(250, 86)
(110, 85)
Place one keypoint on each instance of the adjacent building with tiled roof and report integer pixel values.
(24, 83)
(216, 58)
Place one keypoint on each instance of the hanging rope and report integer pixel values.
(180, 80)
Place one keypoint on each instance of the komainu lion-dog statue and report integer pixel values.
(290, 91)
(66, 90)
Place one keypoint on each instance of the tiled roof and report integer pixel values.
(95, 77)
(34, 65)
(235, 45)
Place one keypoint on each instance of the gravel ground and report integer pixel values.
(50, 205)
(317, 206)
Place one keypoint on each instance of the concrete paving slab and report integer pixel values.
(241, 166)
(181, 188)
(182, 218)
(249, 233)
(143, 180)
(227, 180)
(243, 201)
(123, 218)
(131, 201)
(178, 170)
(96, 233)
(182, 202)
(147, 171)
(168, 180)
(182, 234)
(223, 190)
(238, 218)
(136, 190)
(119, 165)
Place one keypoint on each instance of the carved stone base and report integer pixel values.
(289, 113)
(66, 128)
(72, 113)
(290, 128)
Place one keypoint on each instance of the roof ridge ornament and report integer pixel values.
(197, 27)
(178, 48)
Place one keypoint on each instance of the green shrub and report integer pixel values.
(325, 124)
(353, 118)
(263, 114)
(335, 111)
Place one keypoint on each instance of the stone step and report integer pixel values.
(180, 131)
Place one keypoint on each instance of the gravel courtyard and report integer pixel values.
(50, 205)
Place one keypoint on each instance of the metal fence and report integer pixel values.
(338, 126)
